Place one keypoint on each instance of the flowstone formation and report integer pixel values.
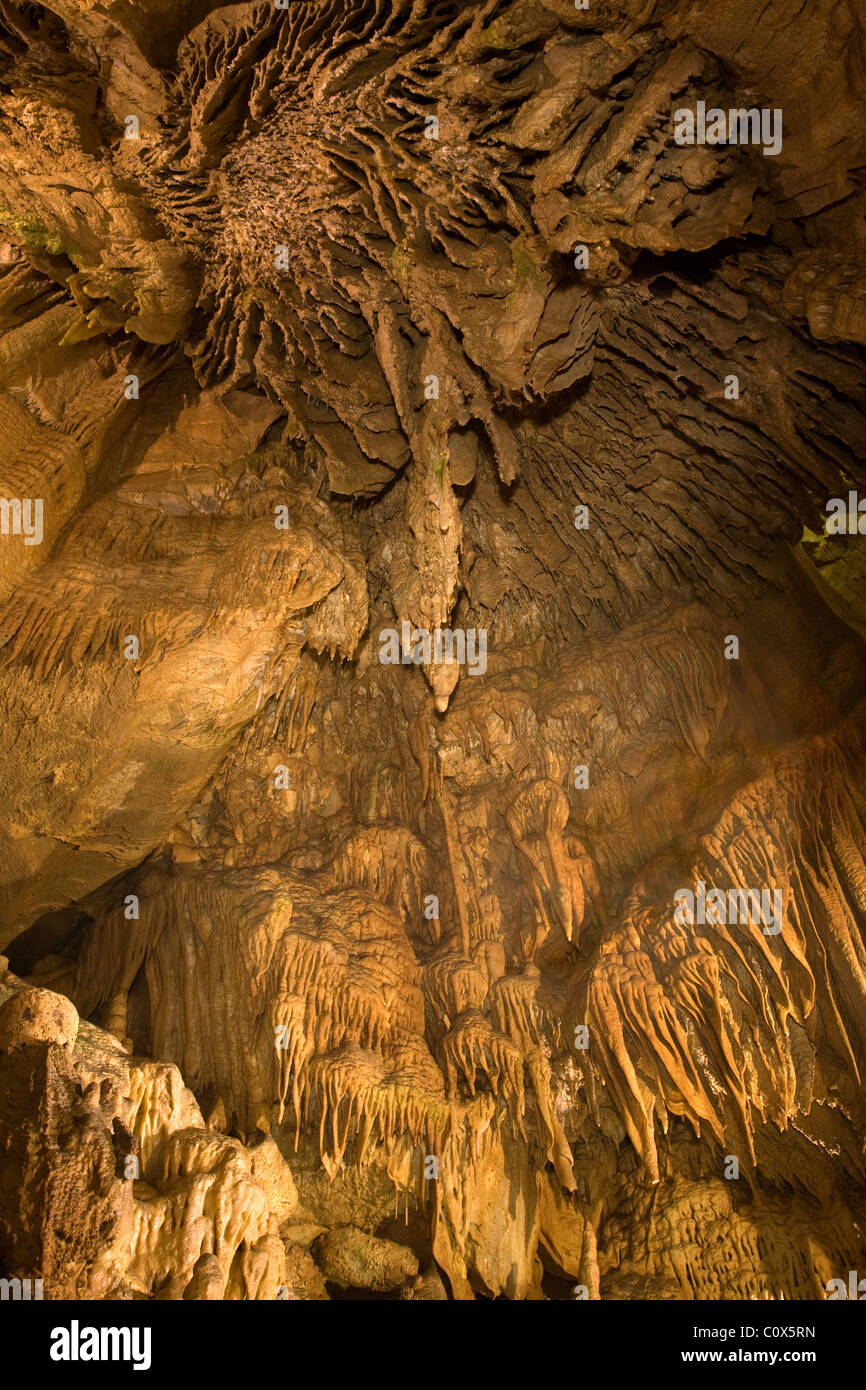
(432, 667)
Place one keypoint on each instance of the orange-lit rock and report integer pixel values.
(335, 975)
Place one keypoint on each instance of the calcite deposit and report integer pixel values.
(432, 666)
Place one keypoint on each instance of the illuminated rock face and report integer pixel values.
(432, 740)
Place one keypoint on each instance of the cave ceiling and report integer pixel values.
(432, 667)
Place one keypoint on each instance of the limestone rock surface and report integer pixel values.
(432, 691)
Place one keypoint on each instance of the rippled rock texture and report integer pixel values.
(351, 960)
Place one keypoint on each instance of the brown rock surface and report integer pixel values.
(355, 1260)
(329, 324)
